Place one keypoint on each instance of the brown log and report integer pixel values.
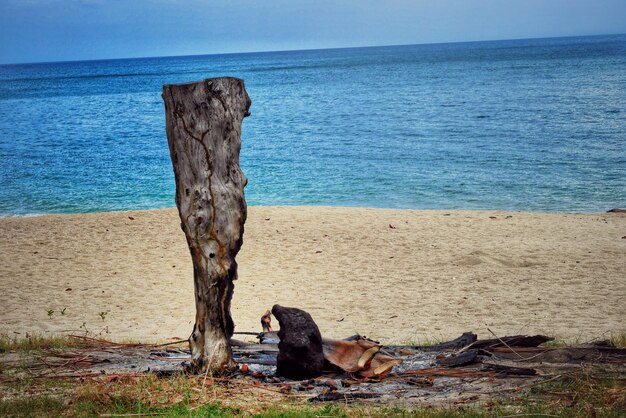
(464, 340)
(460, 359)
(203, 124)
(506, 370)
(512, 341)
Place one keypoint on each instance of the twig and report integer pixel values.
(172, 343)
(507, 346)
(448, 372)
(205, 376)
(531, 357)
(260, 386)
(208, 366)
(64, 330)
(200, 405)
(69, 376)
(268, 389)
(464, 349)
(541, 382)
(74, 361)
(109, 343)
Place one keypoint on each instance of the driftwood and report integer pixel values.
(203, 124)
(461, 359)
(464, 340)
(508, 370)
(512, 341)
(470, 340)
(300, 352)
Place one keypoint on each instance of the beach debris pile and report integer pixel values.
(462, 370)
(303, 353)
(298, 361)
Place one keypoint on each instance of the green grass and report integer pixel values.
(44, 406)
(38, 342)
(586, 393)
(580, 402)
(47, 406)
(424, 342)
(35, 406)
(579, 395)
(87, 409)
(617, 339)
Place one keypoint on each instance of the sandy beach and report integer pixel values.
(393, 275)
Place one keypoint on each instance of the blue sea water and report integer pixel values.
(520, 125)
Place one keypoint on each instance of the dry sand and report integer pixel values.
(433, 275)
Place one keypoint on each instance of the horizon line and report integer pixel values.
(303, 50)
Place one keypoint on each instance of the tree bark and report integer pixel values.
(203, 125)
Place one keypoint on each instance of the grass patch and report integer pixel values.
(424, 342)
(32, 406)
(587, 393)
(87, 409)
(186, 396)
(38, 342)
(579, 395)
(616, 339)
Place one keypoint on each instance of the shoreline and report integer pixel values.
(547, 212)
(436, 274)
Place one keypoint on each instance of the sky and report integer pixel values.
(66, 30)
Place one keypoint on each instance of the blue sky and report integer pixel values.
(58, 30)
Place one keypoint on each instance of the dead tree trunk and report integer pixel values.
(203, 124)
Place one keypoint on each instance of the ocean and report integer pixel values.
(530, 125)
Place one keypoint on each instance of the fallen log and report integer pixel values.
(508, 370)
(345, 397)
(449, 372)
(464, 340)
(462, 359)
(300, 353)
(512, 341)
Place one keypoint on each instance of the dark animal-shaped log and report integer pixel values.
(300, 354)
(203, 124)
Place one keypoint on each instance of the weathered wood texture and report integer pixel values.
(203, 124)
